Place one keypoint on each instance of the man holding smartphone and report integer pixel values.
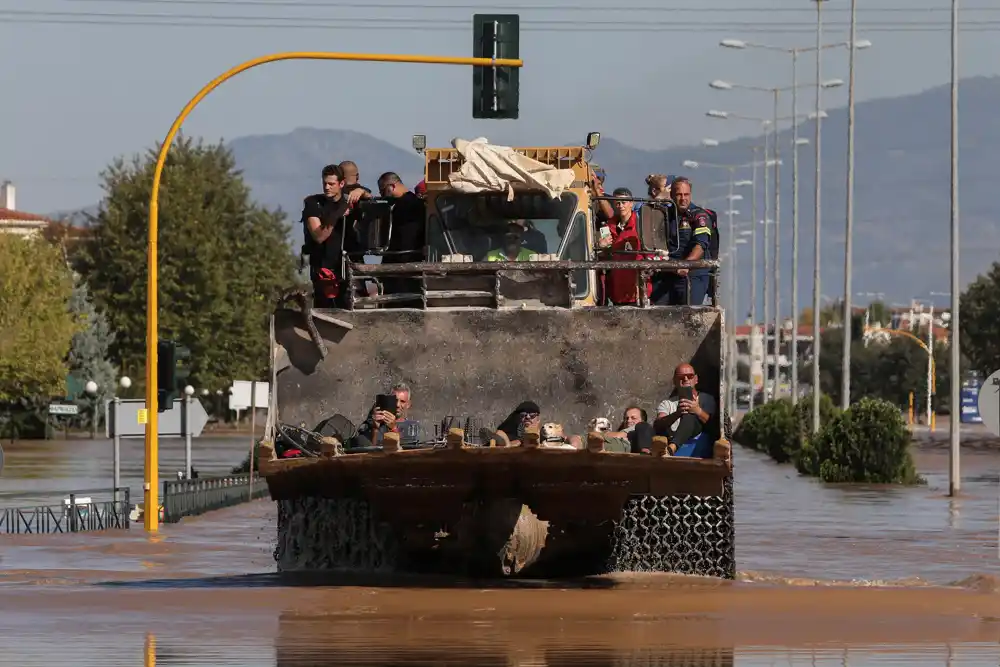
(386, 415)
(684, 415)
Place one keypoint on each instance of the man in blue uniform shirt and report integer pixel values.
(689, 237)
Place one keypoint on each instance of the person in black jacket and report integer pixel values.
(326, 237)
(408, 233)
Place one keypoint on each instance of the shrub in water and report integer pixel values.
(779, 428)
(868, 443)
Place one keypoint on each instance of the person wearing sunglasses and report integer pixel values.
(684, 416)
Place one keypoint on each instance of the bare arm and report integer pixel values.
(317, 230)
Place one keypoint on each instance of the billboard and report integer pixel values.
(970, 402)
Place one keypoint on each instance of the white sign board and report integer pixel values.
(132, 417)
(63, 409)
(989, 403)
(239, 395)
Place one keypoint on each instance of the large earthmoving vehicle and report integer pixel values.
(472, 339)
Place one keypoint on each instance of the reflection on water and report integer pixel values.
(204, 592)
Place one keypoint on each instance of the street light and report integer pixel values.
(954, 476)
(189, 390)
(91, 389)
(718, 84)
(740, 44)
(125, 382)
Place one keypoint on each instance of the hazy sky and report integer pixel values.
(85, 80)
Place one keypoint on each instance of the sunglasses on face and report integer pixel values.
(686, 376)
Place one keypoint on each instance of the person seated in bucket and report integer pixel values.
(525, 416)
(683, 417)
(512, 249)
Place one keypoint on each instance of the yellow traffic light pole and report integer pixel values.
(932, 384)
(151, 492)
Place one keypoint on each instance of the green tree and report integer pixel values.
(222, 261)
(89, 351)
(980, 321)
(36, 325)
(886, 370)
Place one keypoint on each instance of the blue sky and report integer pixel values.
(80, 86)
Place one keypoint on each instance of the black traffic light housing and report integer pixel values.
(495, 90)
(173, 369)
(857, 327)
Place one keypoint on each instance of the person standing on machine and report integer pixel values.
(689, 235)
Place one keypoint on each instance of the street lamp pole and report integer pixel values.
(845, 373)
(817, 305)
(777, 249)
(753, 270)
(731, 305)
(795, 228)
(954, 470)
(767, 263)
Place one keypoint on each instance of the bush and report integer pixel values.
(779, 428)
(869, 443)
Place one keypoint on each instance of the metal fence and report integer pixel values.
(78, 512)
(191, 497)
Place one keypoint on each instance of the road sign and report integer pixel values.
(63, 409)
(239, 395)
(133, 416)
(969, 396)
(989, 403)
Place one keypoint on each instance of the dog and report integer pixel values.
(599, 424)
(552, 436)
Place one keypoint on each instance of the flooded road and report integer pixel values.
(828, 575)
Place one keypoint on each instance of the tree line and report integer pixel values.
(74, 310)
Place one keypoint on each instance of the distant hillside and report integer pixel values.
(901, 195)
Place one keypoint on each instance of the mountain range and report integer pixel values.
(902, 167)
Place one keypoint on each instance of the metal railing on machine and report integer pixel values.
(191, 497)
(78, 512)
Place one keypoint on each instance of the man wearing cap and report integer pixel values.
(689, 238)
(619, 238)
(512, 249)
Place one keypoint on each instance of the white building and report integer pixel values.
(13, 221)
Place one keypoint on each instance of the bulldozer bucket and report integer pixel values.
(459, 499)
(576, 364)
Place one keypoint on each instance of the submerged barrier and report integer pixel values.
(78, 512)
(191, 497)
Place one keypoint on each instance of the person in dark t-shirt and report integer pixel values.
(408, 230)
(326, 236)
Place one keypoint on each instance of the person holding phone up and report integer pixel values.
(389, 410)
(684, 415)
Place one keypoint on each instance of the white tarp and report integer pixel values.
(489, 168)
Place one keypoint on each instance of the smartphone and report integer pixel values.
(686, 393)
(387, 403)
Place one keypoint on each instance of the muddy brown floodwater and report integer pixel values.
(828, 576)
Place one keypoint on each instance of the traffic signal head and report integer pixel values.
(495, 90)
(173, 368)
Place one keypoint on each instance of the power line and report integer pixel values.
(536, 7)
(395, 23)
